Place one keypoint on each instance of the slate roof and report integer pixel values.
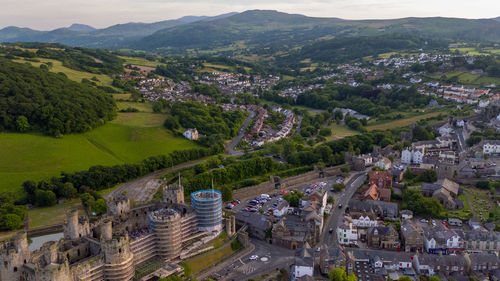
(304, 257)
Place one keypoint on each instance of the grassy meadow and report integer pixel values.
(129, 138)
(75, 75)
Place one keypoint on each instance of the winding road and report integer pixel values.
(230, 146)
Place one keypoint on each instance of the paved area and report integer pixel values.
(243, 268)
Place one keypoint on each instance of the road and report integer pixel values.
(234, 142)
(333, 219)
(138, 185)
(245, 269)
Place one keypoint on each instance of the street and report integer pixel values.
(234, 142)
(333, 219)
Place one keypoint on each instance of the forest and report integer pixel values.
(207, 119)
(364, 99)
(36, 100)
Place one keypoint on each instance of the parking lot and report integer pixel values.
(267, 203)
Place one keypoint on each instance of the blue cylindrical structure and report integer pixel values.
(208, 206)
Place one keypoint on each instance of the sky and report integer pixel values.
(51, 14)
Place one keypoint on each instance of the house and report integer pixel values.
(376, 264)
(380, 178)
(368, 219)
(281, 209)
(442, 242)
(373, 192)
(445, 190)
(429, 265)
(397, 174)
(481, 241)
(481, 262)
(191, 134)
(257, 225)
(331, 257)
(460, 123)
(384, 163)
(411, 237)
(406, 214)
(294, 231)
(491, 147)
(474, 223)
(303, 263)
(414, 156)
(384, 210)
(383, 237)
(406, 156)
(347, 234)
(454, 222)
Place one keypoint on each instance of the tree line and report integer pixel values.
(68, 185)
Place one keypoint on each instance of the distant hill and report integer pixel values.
(276, 29)
(256, 31)
(80, 27)
(86, 36)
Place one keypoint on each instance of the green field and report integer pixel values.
(52, 215)
(204, 261)
(475, 80)
(384, 125)
(72, 74)
(340, 132)
(140, 61)
(129, 138)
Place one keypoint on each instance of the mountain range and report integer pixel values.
(265, 29)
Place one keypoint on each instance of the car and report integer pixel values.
(318, 249)
(254, 257)
(330, 230)
(424, 221)
(340, 206)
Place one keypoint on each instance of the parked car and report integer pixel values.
(254, 257)
(330, 230)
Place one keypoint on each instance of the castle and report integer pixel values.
(112, 246)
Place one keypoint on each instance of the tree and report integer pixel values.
(22, 124)
(227, 193)
(67, 190)
(45, 198)
(87, 201)
(434, 278)
(10, 221)
(337, 274)
(338, 187)
(99, 206)
(405, 278)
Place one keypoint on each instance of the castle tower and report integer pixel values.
(166, 224)
(173, 194)
(119, 260)
(118, 206)
(107, 230)
(76, 227)
(13, 255)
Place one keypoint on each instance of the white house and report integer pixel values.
(418, 156)
(491, 147)
(406, 156)
(347, 234)
(303, 264)
(364, 221)
(384, 163)
(368, 159)
(406, 214)
(281, 209)
(191, 134)
(460, 123)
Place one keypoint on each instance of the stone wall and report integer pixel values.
(286, 183)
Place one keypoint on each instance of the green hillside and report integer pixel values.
(130, 138)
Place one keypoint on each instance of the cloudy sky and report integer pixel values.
(50, 14)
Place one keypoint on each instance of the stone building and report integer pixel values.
(383, 237)
(111, 247)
